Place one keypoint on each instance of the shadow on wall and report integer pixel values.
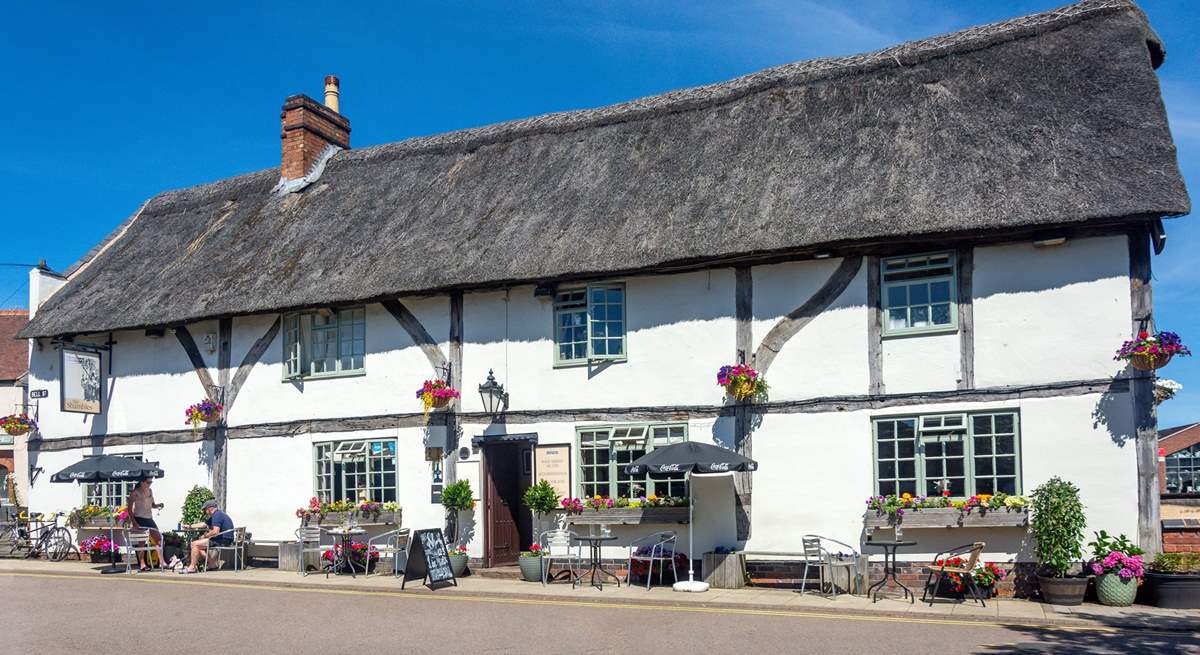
(1114, 413)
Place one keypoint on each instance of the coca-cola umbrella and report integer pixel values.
(108, 468)
(690, 458)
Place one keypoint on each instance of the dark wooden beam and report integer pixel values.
(449, 464)
(874, 327)
(416, 332)
(789, 325)
(193, 353)
(829, 404)
(252, 356)
(1142, 384)
(220, 475)
(743, 483)
(965, 258)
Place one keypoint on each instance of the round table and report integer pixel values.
(342, 555)
(889, 570)
(597, 564)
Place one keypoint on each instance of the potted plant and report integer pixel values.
(18, 424)
(1174, 580)
(1057, 527)
(531, 563)
(541, 499)
(1148, 353)
(458, 559)
(436, 393)
(1117, 564)
(99, 548)
(361, 557)
(741, 382)
(953, 585)
(205, 411)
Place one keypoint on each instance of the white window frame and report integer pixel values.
(914, 266)
(349, 328)
(591, 324)
(651, 436)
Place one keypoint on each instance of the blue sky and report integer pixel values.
(107, 105)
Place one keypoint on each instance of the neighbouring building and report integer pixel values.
(14, 359)
(931, 252)
(1179, 482)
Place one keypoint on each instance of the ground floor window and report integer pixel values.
(109, 494)
(605, 452)
(1183, 470)
(976, 453)
(350, 470)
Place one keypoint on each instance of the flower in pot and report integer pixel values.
(456, 498)
(99, 548)
(741, 382)
(531, 563)
(360, 556)
(1149, 352)
(205, 411)
(1174, 580)
(458, 559)
(18, 424)
(598, 503)
(1057, 527)
(436, 393)
(1117, 564)
(1165, 390)
(985, 575)
(541, 499)
(572, 505)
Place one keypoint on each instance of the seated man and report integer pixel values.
(220, 533)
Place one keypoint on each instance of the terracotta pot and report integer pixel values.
(1063, 591)
(1148, 363)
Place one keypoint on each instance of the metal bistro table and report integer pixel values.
(343, 555)
(597, 565)
(889, 570)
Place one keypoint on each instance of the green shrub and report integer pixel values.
(457, 496)
(1176, 563)
(1057, 525)
(192, 504)
(541, 498)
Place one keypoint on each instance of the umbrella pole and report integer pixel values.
(691, 584)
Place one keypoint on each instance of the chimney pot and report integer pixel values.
(332, 91)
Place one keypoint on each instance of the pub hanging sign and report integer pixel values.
(82, 382)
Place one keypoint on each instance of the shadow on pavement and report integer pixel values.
(1156, 634)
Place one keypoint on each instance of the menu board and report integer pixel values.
(427, 560)
(552, 463)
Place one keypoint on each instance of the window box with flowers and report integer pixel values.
(99, 548)
(1151, 352)
(914, 512)
(601, 510)
(339, 512)
(94, 517)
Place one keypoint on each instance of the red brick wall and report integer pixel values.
(1181, 535)
(307, 128)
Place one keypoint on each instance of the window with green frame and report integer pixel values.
(978, 454)
(349, 470)
(324, 342)
(604, 452)
(109, 494)
(589, 324)
(918, 294)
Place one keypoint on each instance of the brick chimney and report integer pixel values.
(309, 128)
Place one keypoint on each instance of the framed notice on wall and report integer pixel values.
(82, 382)
(552, 463)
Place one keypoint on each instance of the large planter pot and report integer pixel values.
(458, 564)
(1115, 592)
(531, 568)
(1063, 591)
(1175, 591)
(1148, 363)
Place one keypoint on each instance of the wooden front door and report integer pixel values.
(502, 500)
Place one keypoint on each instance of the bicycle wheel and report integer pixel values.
(58, 544)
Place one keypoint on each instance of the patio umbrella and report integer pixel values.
(689, 458)
(105, 468)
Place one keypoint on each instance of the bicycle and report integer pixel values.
(38, 536)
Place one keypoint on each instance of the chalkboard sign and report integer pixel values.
(427, 560)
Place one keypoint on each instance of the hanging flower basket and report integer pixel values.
(1165, 390)
(436, 394)
(18, 424)
(205, 411)
(1150, 353)
(741, 382)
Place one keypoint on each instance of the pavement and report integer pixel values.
(71, 609)
(1006, 611)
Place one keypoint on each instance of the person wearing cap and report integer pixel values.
(220, 533)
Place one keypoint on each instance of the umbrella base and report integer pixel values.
(694, 586)
(108, 570)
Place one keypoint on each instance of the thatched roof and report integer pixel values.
(1053, 119)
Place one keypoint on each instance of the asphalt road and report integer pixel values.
(118, 614)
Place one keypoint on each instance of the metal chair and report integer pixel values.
(394, 543)
(965, 572)
(237, 546)
(657, 547)
(557, 545)
(816, 554)
(137, 540)
(310, 538)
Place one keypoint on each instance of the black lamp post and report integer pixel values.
(493, 395)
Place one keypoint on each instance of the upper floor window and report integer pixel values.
(918, 294)
(324, 342)
(1183, 470)
(605, 452)
(978, 454)
(589, 324)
